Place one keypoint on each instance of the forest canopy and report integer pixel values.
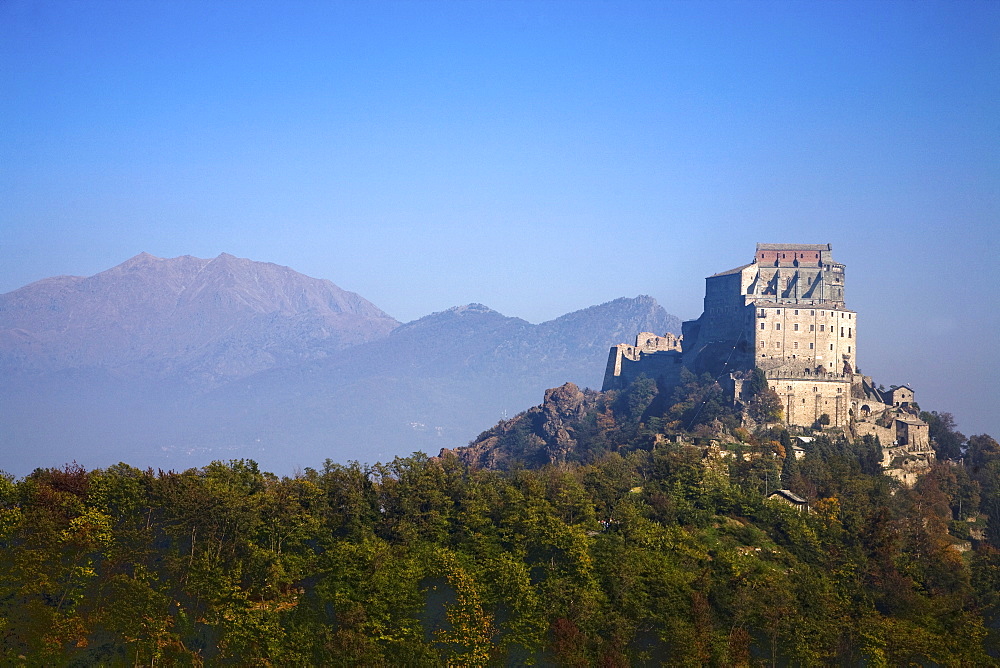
(635, 558)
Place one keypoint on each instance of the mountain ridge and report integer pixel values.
(286, 381)
(149, 310)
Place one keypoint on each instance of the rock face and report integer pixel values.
(544, 434)
(208, 319)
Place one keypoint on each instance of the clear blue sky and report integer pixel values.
(538, 157)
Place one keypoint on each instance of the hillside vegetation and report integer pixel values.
(636, 551)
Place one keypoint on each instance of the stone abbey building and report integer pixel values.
(785, 314)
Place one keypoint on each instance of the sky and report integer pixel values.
(537, 157)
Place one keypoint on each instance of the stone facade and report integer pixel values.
(784, 313)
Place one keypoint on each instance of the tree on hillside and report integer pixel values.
(699, 401)
(763, 403)
(943, 431)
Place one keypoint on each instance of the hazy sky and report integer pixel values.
(538, 157)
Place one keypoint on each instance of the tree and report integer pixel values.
(763, 404)
(700, 401)
(945, 436)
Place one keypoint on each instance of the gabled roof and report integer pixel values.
(788, 494)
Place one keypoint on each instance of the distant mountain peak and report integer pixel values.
(469, 309)
(223, 317)
(142, 258)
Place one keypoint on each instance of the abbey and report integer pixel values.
(785, 314)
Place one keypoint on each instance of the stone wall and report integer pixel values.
(805, 400)
(810, 336)
(627, 362)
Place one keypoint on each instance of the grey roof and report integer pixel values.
(732, 271)
(788, 494)
(795, 247)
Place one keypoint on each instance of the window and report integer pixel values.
(822, 313)
(831, 348)
(761, 345)
(777, 344)
(796, 311)
(840, 390)
(849, 334)
(795, 345)
(810, 346)
(841, 331)
(848, 349)
(812, 328)
(789, 388)
(795, 327)
(777, 325)
(815, 389)
(778, 311)
(822, 328)
(762, 325)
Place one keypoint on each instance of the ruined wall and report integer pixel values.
(660, 360)
(648, 342)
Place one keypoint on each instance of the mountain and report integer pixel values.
(209, 320)
(177, 362)
(432, 383)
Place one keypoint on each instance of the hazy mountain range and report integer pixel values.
(175, 362)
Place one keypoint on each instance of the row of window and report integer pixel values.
(812, 328)
(795, 345)
(840, 390)
(833, 314)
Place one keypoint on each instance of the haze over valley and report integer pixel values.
(175, 362)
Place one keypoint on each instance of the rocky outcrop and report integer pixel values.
(544, 434)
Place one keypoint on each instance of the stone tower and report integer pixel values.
(784, 313)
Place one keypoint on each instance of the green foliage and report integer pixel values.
(947, 440)
(700, 401)
(667, 555)
(763, 403)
